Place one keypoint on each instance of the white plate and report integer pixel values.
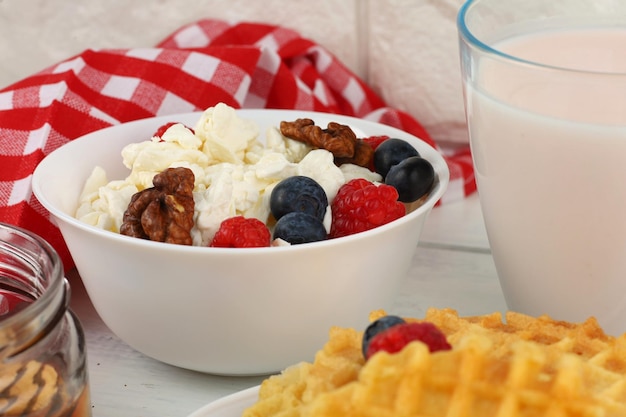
(230, 406)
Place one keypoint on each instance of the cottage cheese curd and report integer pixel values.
(234, 171)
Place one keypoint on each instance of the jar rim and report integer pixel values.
(29, 249)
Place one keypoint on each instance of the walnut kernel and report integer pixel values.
(163, 213)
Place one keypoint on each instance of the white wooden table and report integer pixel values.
(452, 267)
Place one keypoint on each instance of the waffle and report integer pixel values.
(508, 366)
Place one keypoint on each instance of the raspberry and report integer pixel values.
(376, 327)
(361, 205)
(241, 232)
(374, 142)
(395, 338)
(161, 130)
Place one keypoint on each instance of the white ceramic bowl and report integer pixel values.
(227, 311)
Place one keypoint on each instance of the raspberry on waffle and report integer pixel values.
(506, 367)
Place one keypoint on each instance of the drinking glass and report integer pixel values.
(544, 84)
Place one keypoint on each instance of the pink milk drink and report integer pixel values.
(545, 96)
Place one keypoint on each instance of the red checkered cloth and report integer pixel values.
(245, 65)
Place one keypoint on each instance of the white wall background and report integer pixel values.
(405, 49)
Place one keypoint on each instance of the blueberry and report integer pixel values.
(298, 227)
(376, 327)
(412, 178)
(392, 152)
(298, 193)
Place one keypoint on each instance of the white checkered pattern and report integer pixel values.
(206, 62)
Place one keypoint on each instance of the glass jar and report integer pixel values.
(43, 368)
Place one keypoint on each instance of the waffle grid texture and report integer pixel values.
(508, 366)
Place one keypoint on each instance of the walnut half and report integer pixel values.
(163, 213)
(338, 139)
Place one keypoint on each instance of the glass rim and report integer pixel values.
(470, 39)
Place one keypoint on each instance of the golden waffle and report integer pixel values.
(519, 366)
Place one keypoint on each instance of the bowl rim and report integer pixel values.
(428, 152)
